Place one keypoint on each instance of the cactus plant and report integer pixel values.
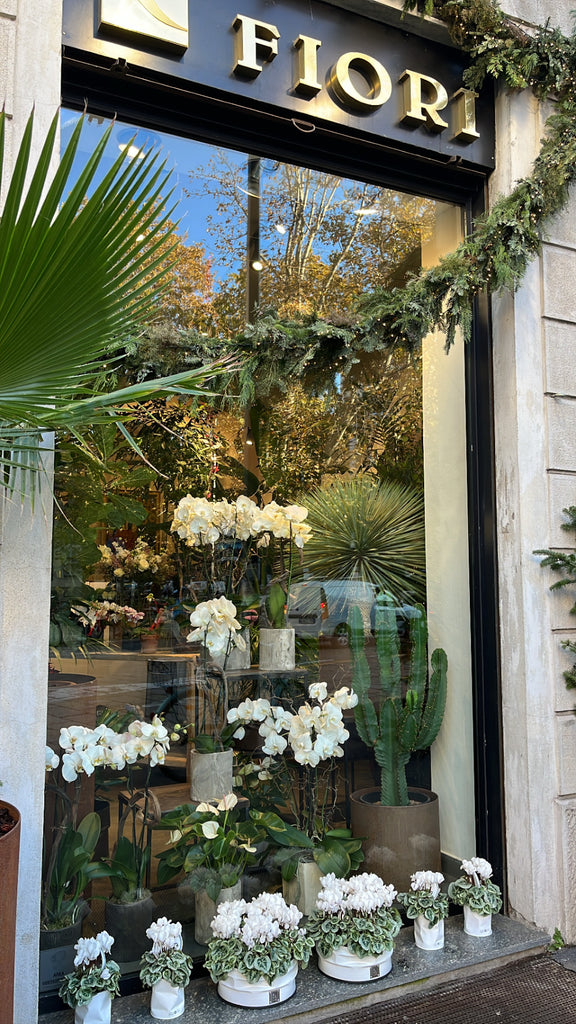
(411, 708)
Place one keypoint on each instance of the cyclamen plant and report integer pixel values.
(474, 888)
(357, 913)
(165, 961)
(425, 897)
(260, 939)
(92, 973)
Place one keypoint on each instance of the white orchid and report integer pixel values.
(52, 759)
(216, 626)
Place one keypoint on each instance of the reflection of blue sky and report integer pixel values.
(182, 156)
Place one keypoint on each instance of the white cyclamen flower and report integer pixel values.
(426, 881)
(478, 869)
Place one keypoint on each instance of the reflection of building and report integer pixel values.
(518, 789)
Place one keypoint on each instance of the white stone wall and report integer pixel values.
(30, 39)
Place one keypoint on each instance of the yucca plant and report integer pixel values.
(82, 263)
(367, 531)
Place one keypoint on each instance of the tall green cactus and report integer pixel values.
(410, 709)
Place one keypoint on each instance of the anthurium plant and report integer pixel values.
(212, 842)
(357, 913)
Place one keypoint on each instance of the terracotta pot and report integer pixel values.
(398, 840)
(9, 853)
(149, 644)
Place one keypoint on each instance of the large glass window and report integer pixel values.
(273, 261)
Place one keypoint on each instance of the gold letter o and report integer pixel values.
(375, 74)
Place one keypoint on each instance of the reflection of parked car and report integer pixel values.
(322, 607)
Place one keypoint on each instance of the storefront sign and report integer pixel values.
(309, 59)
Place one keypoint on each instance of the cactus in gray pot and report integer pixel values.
(410, 709)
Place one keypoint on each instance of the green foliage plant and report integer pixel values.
(411, 707)
(564, 563)
(71, 867)
(357, 913)
(368, 531)
(334, 850)
(212, 842)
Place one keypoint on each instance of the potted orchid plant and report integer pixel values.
(166, 969)
(256, 950)
(427, 906)
(93, 982)
(214, 844)
(300, 749)
(354, 927)
(479, 896)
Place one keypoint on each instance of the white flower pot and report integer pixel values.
(166, 1001)
(428, 936)
(211, 775)
(97, 1011)
(303, 889)
(477, 924)
(277, 650)
(235, 988)
(347, 966)
(206, 911)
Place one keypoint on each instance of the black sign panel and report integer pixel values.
(308, 59)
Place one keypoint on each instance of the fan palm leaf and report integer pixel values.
(81, 265)
(362, 530)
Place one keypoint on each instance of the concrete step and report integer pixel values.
(319, 998)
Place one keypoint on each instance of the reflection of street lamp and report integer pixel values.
(254, 263)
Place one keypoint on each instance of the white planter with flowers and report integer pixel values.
(427, 906)
(166, 969)
(89, 988)
(256, 950)
(354, 927)
(479, 897)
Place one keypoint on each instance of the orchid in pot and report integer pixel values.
(301, 748)
(256, 950)
(93, 982)
(354, 927)
(479, 896)
(166, 969)
(214, 844)
(427, 906)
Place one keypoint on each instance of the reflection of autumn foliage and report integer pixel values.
(372, 425)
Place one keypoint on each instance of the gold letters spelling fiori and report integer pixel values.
(423, 100)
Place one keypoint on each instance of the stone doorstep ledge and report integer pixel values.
(318, 997)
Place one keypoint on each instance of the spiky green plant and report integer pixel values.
(82, 262)
(411, 707)
(367, 531)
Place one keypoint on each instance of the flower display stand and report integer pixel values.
(347, 966)
(427, 936)
(235, 988)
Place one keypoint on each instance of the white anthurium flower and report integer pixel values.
(210, 829)
(228, 802)
(206, 808)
